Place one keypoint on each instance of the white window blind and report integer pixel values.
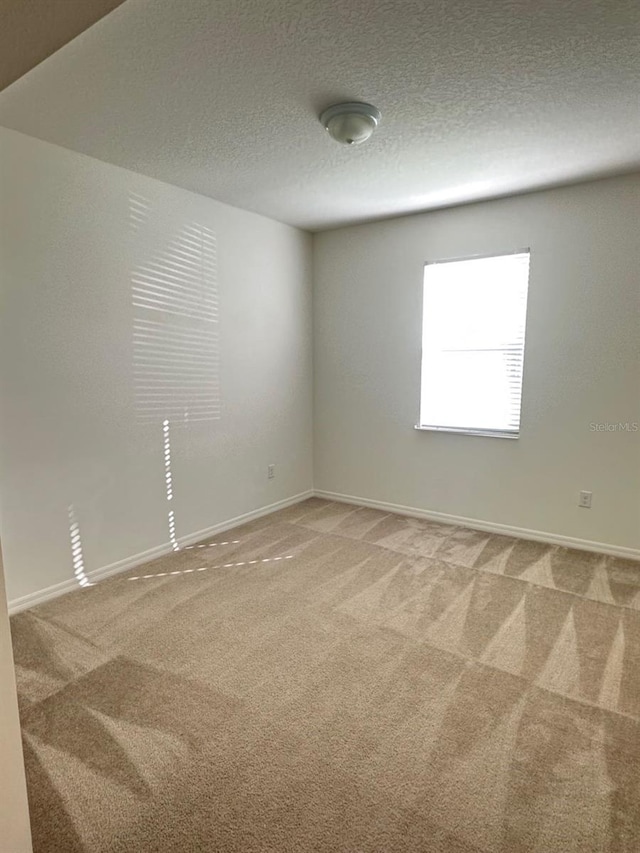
(473, 330)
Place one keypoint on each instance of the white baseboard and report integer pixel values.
(488, 526)
(42, 595)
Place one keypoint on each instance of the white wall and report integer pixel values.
(74, 235)
(582, 365)
(14, 812)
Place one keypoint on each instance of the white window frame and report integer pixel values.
(489, 432)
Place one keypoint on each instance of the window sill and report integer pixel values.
(487, 433)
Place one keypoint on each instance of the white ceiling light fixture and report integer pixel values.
(351, 123)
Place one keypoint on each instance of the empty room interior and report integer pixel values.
(320, 426)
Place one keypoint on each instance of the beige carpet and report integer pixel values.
(339, 679)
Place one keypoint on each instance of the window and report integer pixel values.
(473, 325)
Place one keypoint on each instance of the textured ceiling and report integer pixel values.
(31, 30)
(479, 98)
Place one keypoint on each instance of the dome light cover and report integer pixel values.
(351, 123)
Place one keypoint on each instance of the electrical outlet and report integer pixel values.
(271, 471)
(585, 500)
